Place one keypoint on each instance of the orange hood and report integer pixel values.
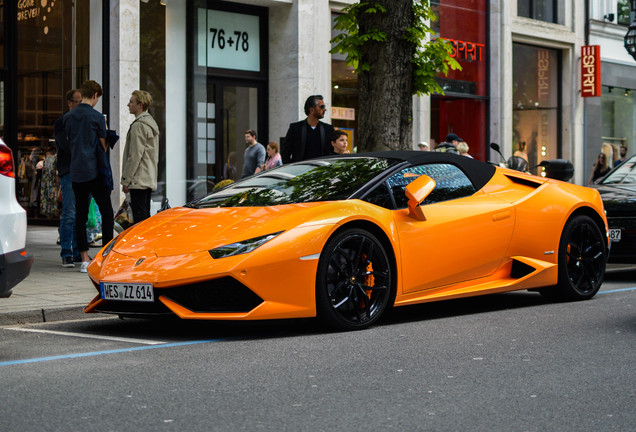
(184, 230)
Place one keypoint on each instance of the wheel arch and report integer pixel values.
(592, 214)
(383, 238)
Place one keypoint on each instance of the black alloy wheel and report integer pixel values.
(354, 281)
(582, 259)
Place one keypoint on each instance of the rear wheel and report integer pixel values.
(582, 258)
(354, 281)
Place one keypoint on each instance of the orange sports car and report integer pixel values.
(345, 237)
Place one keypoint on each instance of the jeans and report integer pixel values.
(68, 240)
(140, 204)
(101, 194)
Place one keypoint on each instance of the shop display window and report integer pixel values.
(541, 10)
(463, 107)
(536, 102)
(52, 57)
(619, 117)
(152, 77)
(228, 76)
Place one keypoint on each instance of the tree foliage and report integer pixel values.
(430, 57)
(389, 44)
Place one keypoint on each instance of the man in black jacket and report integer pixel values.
(309, 138)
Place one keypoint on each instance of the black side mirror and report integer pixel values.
(559, 169)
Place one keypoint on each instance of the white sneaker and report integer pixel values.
(84, 267)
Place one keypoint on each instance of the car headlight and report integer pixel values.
(241, 247)
(109, 247)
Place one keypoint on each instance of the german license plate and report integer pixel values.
(615, 235)
(141, 292)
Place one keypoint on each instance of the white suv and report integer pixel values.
(15, 263)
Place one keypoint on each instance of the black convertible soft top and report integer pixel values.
(478, 172)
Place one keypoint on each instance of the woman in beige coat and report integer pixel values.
(141, 156)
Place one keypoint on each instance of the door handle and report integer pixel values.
(501, 216)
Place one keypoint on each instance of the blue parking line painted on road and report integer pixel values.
(617, 290)
(97, 353)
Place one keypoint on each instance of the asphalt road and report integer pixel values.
(510, 362)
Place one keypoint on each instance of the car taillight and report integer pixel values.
(6, 162)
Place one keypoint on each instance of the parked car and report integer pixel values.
(618, 191)
(345, 237)
(15, 262)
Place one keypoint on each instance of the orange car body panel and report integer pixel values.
(515, 217)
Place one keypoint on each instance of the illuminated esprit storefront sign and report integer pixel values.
(590, 70)
(464, 50)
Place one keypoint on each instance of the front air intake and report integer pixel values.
(225, 294)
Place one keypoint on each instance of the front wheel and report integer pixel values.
(582, 258)
(354, 281)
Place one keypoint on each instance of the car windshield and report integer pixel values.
(624, 174)
(329, 179)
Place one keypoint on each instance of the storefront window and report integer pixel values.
(52, 57)
(228, 85)
(152, 76)
(624, 15)
(536, 102)
(344, 94)
(619, 117)
(463, 107)
(541, 10)
(2, 29)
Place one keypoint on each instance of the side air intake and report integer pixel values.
(520, 269)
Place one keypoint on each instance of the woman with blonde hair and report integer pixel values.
(462, 148)
(273, 157)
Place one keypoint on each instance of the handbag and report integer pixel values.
(92, 215)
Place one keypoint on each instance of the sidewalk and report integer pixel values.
(51, 292)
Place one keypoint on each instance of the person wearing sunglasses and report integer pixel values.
(308, 138)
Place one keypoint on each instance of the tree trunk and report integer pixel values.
(386, 103)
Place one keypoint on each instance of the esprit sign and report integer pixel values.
(228, 40)
(590, 70)
(543, 75)
(342, 113)
(464, 50)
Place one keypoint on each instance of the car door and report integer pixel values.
(465, 235)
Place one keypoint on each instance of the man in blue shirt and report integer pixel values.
(85, 129)
(69, 253)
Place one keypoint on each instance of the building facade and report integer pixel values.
(218, 68)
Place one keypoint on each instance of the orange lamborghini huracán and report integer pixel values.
(345, 237)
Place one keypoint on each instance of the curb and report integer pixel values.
(42, 315)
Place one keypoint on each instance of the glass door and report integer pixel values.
(240, 114)
(224, 111)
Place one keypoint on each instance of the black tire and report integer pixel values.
(354, 283)
(582, 259)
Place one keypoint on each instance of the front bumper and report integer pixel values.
(14, 267)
